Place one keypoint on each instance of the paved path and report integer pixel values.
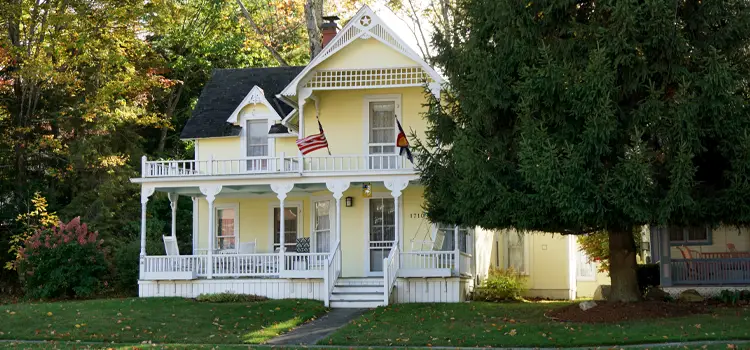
(313, 332)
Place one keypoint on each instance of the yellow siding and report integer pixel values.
(255, 217)
(367, 53)
(588, 289)
(219, 148)
(342, 114)
(548, 274)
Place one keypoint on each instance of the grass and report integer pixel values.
(524, 325)
(160, 320)
(72, 346)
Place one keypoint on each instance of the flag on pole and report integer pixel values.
(313, 142)
(403, 143)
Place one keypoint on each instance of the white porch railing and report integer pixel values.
(427, 260)
(242, 265)
(391, 265)
(332, 272)
(175, 267)
(276, 165)
(304, 261)
(464, 264)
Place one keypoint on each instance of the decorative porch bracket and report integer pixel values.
(396, 186)
(210, 192)
(281, 190)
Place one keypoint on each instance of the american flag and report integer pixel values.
(313, 142)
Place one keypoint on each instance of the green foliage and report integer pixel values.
(582, 116)
(63, 261)
(501, 285)
(31, 222)
(733, 297)
(230, 298)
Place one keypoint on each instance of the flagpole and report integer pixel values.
(322, 132)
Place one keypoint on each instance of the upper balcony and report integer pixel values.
(281, 165)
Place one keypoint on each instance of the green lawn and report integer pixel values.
(524, 325)
(162, 320)
(70, 346)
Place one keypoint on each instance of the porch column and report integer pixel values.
(456, 251)
(281, 191)
(665, 258)
(145, 193)
(338, 188)
(173, 197)
(196, 224)
(396, 186)
(210, 192)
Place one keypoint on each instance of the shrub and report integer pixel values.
(230, 298)
(733, 297)
(648, 276)
(501, 285)
(62, 261)
(125, 261)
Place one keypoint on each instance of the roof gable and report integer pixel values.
(365, 24)
(366, 53)
(227, 91)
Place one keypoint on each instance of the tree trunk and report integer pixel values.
(622, 266)
(313, 20)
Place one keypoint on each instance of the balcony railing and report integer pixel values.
(366, 163)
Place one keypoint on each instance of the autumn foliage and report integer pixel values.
(66, 260)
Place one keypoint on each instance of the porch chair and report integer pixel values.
(171, 249)
(248, 247)
(695, 269)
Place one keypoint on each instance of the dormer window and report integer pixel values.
(257, 138)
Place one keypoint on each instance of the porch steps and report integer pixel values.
(357, 293)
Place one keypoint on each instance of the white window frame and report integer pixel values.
(396, 98)
(287, 205)
(583, 258)
(469, 236)
(332, 218)
(244, 118)
(526, 252)
(217, 222)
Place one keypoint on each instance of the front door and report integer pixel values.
(322, 232)
(382, 233)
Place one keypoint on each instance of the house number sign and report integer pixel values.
(417, 216)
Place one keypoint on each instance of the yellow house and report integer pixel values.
(344, 223)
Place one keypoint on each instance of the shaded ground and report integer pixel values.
(525, 325)
(162, 320)
(606, 312)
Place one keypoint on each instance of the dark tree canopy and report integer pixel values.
(575, 116)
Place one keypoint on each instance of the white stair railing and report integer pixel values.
(390, 272)
(332, 272)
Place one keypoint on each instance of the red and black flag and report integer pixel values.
(403, 143)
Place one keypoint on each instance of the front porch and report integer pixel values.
(350, 235)
(702, 257)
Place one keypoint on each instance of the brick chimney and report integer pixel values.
(329, 29)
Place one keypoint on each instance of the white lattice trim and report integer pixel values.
(368, 78)
(365, 24)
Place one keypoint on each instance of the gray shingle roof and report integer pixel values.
(225, 91)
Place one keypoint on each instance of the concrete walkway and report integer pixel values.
(315, 331)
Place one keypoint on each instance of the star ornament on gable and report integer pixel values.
(365, 20)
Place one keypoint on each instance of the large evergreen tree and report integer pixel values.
(582, 116)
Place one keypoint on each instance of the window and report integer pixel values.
(691, 235)
(226, 227)
(382, 133)
(448, 235)
(516, 252)
(257, 138)
(585, 268)
(257, 144)
(291, 229)
(322, 226)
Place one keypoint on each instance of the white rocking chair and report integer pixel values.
(172, 249)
